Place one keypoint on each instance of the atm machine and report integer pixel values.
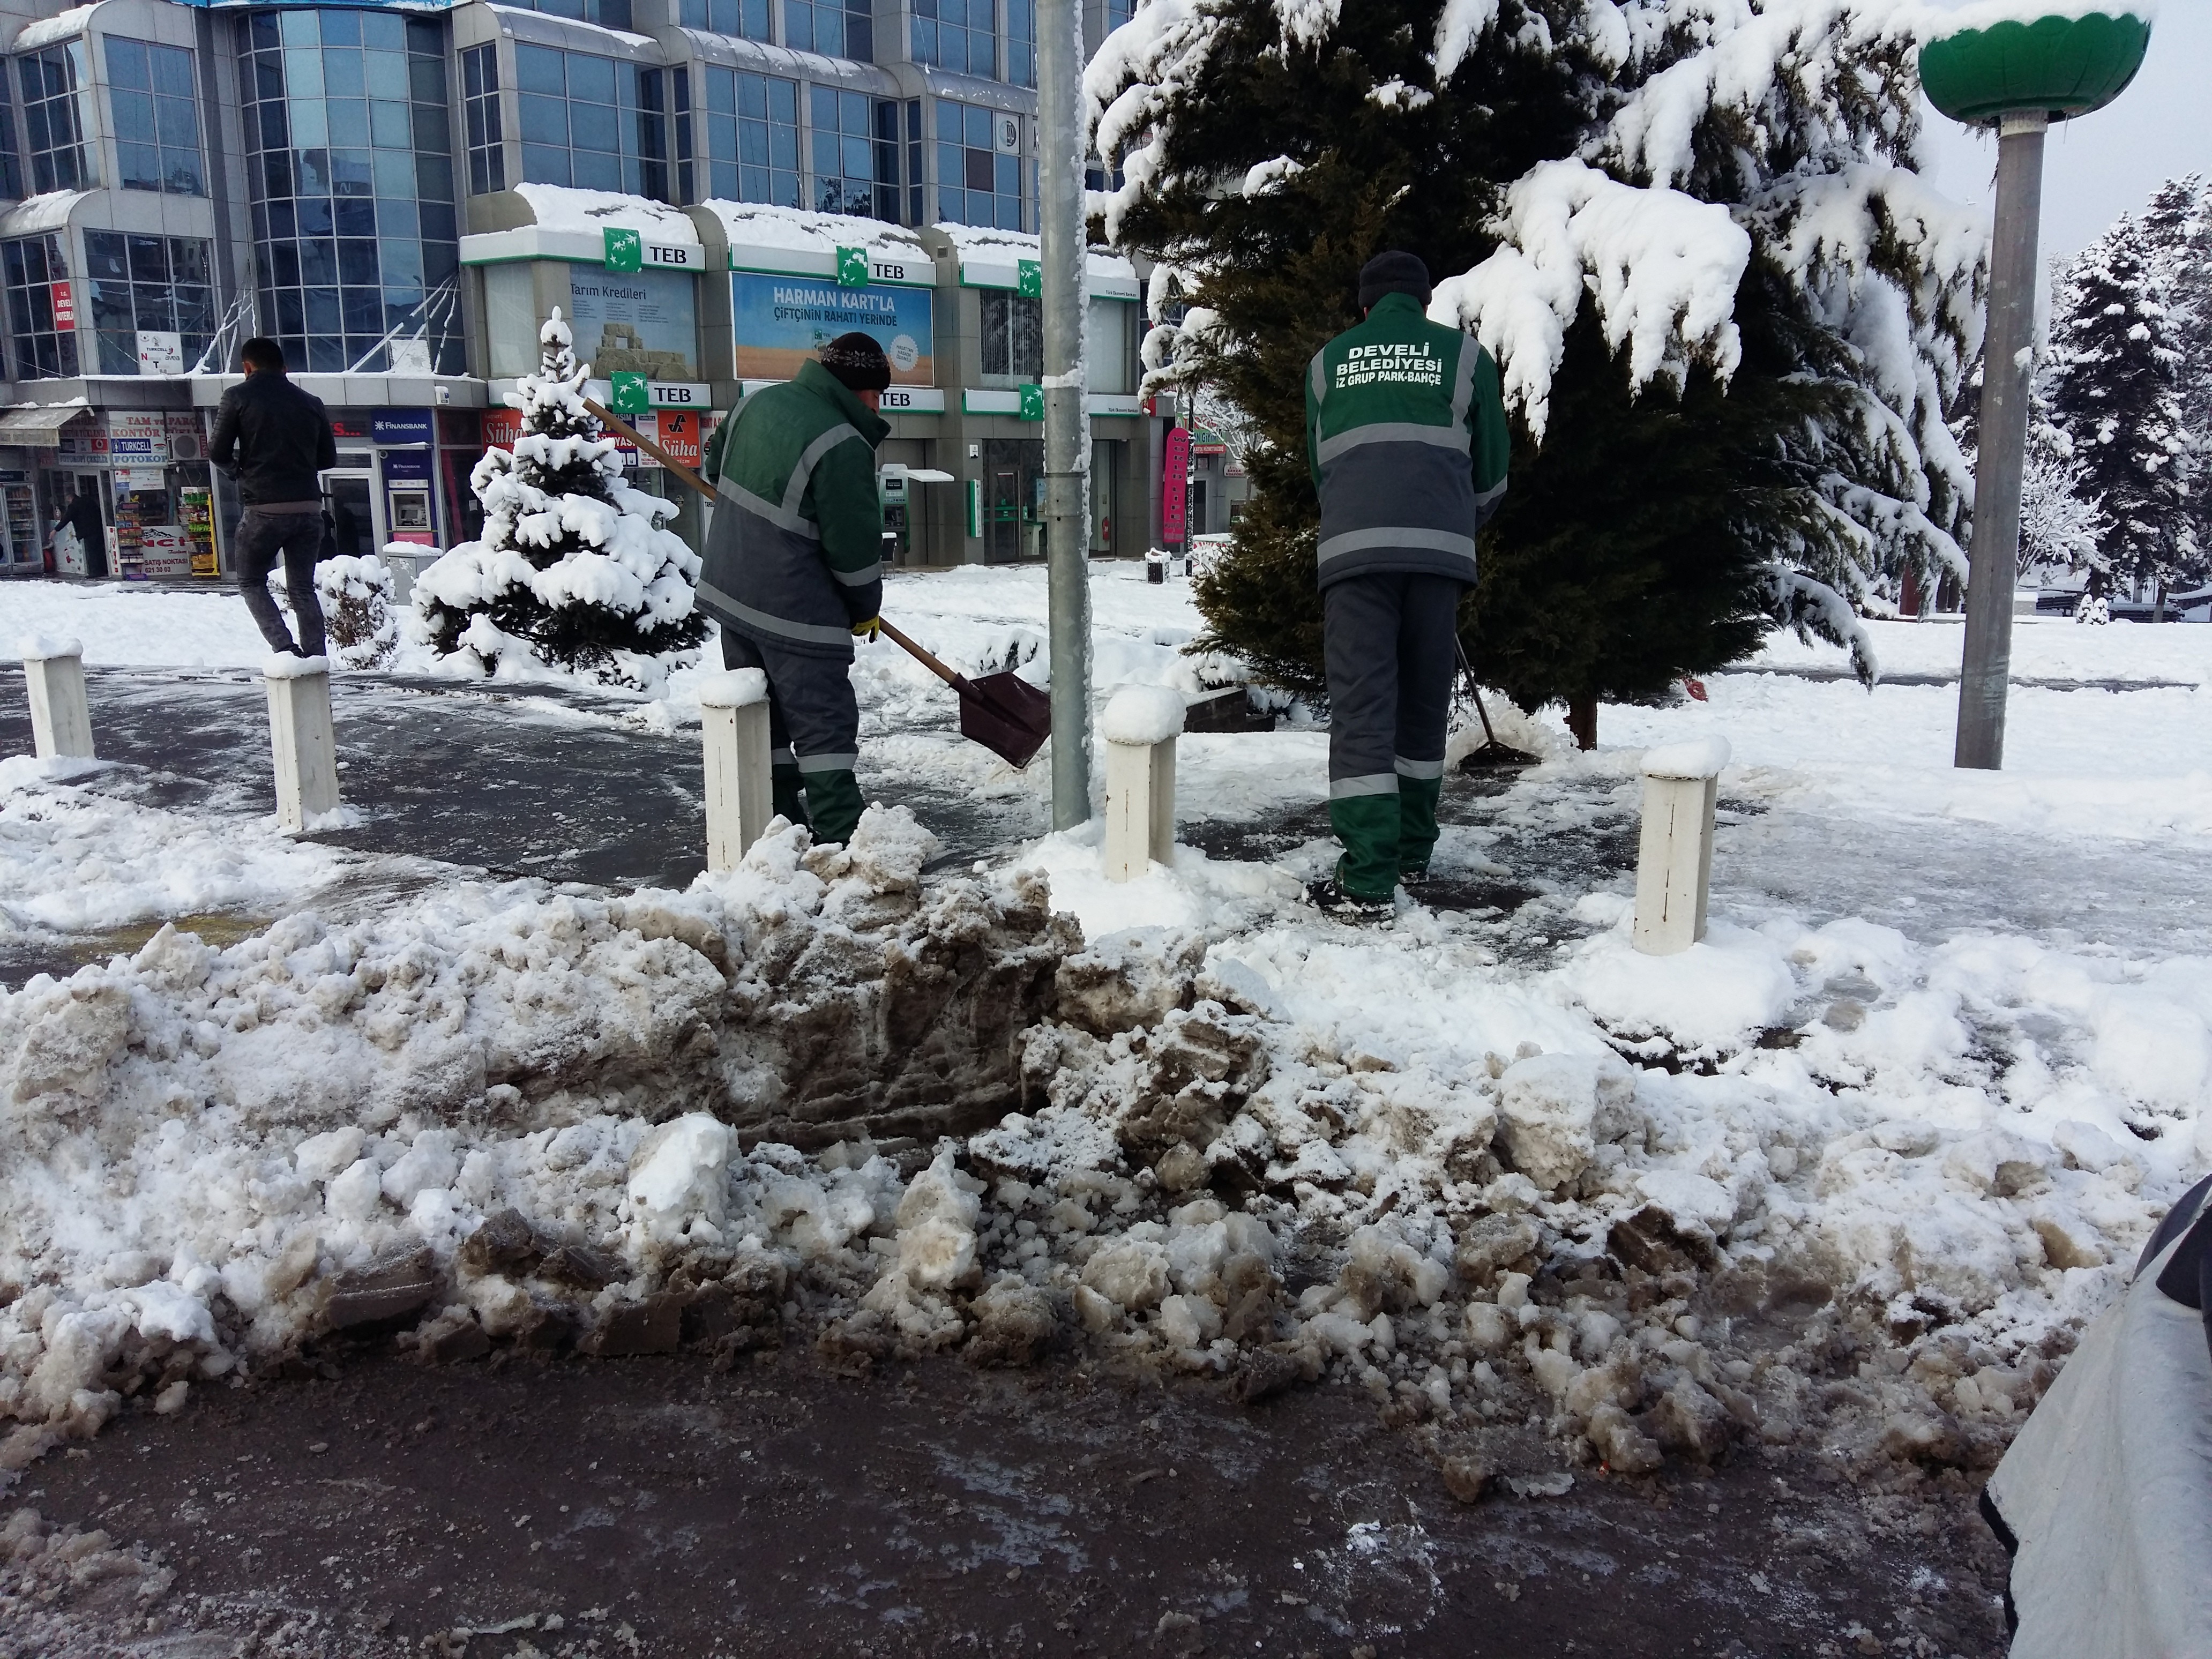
(894, 483)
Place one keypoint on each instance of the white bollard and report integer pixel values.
(1674, 857)
(733, 731)
(1140, 727)
(61, 722)
(300, 739)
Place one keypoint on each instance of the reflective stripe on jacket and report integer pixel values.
(795, 555)
(1406, 437)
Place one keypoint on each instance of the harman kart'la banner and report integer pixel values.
(782, 321)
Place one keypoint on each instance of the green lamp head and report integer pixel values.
(2005, 59)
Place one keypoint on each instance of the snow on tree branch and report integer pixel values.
(1662, 267)
(1809, 608)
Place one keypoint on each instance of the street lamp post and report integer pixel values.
(2018, 75)
(1067, 537)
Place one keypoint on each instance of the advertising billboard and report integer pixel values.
(642, 323)
(782, 321)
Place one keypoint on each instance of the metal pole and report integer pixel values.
(1066, 423)
(2007, 361)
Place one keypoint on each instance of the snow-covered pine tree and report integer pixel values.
(575, 568)
(2115, 390)
(1731, 318)
(2177, 226)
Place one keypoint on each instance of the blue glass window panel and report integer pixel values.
(783, 101)
(538, 68)
(978, 121)
(1009, 182)
(479, 68)
(325, 349)
(140, 166)
(752, 96)
(594, 126)
(385, 31)
(858, 163)
(544, 120)
(431, 131)
(752, 144)
(822, 106)
(951, 206)
(391, 126)
(438, 220)
(284, 264)
(924, 41)
(291, 314)
(723, 184)
(269, 74)
(798, 26)
(134, 118)
(126, 65)
(543, 164)
(310, 171)
(364, 310)
(174, 118)
(1010, 212)
(355, 216)
(853, 112)
(598, 170)
(948, 120)
(825, 152)
(341, 73)
(395, 175)
(297, 28)
(309, 129)
(426, 38)
(592, 78)
(385, 74)
(718, 92)
(753, 15)
(261, 29)
(277, 221)
(439, 261)
(426, 80)
(352, 173)
(172, 68)
(315, 215)
(303, 67)
(433, 177)
(319, 260)
(277, 174)
(348, 119)
(396, 219)
(783, 147)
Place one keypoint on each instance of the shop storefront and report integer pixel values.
(134, 483)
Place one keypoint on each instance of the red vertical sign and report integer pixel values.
(1174, 468)
(64, 306)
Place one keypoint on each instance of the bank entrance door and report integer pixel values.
(355, 512)
(1013, 500)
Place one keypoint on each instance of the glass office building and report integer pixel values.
(175, 177)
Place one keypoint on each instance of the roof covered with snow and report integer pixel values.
(62, 26)
(557, 207)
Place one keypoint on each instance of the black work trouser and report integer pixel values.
(295, 538)
(813, 734)
(1386, 642)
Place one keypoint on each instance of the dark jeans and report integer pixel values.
(295, 538)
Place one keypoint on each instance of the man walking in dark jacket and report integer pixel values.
(274, 439)
(1406, 437)
(793, 568)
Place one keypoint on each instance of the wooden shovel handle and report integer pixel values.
(1475, 691)
(957, 681)
(608, 418)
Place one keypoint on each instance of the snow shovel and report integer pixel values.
(1003, 712)
(1490, 755)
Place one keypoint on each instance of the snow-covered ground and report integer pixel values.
(1511, 1162)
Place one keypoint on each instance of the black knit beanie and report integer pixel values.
(858, 361)
(1393, 273)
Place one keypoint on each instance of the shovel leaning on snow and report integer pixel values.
(1490, 753)
(1003, 712)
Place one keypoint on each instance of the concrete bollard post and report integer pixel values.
(1140, 727)
(61, 721)
(1674, 857)
(734, 732)
(301, 739)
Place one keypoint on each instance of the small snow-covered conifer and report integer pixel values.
(574, 569)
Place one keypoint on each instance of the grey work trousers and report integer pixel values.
(814, 733)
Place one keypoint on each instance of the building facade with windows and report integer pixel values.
(399, 196)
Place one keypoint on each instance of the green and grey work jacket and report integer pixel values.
(1406, 434)
(794, 557)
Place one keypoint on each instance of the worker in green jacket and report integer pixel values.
(793, 568)
(1407, 438)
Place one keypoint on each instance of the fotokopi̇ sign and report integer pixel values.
(782, 321)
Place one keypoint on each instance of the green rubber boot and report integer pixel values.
(834, 800)
(1417, 823)
(1368, 826)
(784, 790)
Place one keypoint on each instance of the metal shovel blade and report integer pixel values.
(1008, 715)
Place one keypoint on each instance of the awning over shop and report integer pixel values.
(37, 429)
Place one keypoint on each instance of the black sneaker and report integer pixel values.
(1413, 880)
(1332, 900)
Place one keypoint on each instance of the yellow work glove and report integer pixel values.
(869, 630)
